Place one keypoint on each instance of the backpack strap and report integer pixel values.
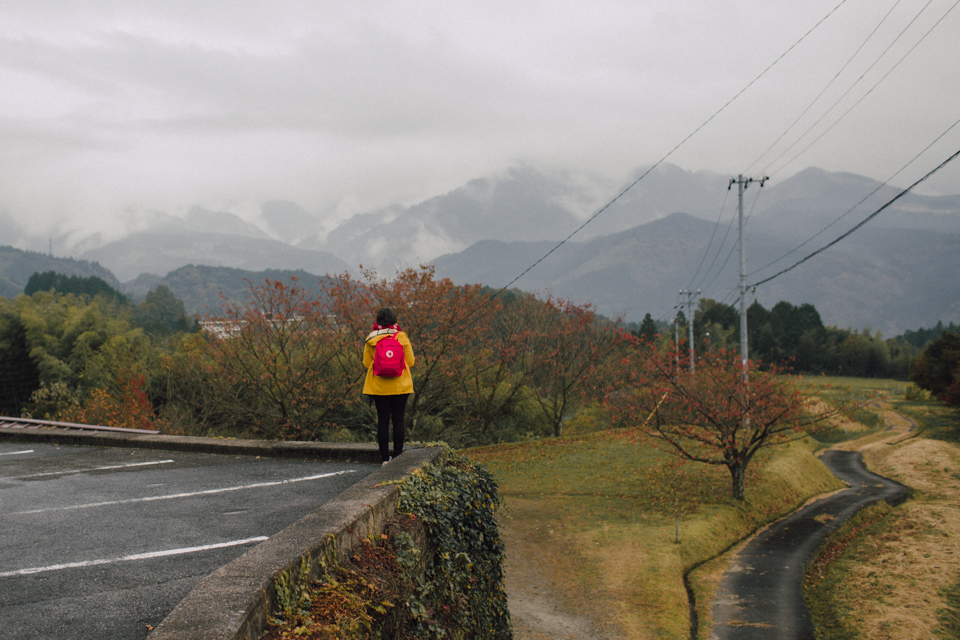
(381, 332)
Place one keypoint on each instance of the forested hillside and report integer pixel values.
(16, 267)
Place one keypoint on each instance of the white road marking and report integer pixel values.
(189, 494)
(106, 468)
(16, 453)
(135, 556)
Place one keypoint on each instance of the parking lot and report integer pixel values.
(102, 543)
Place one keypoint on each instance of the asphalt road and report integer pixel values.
(761, 595)
(102, 543)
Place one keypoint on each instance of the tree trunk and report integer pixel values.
(737, 475)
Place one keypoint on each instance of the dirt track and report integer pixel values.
(536, 612)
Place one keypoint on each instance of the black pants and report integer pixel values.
(390, 407)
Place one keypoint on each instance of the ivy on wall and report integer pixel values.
(458, 501)
(436, 571)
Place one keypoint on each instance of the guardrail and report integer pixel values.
(30, 423)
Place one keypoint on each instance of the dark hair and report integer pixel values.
(386, 317)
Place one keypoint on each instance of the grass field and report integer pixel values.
(598, 515)
(601, 514)
(899, 577)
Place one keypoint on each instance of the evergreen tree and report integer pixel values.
(91, 286)
(648, 329)
(161, 313)
(18, 373)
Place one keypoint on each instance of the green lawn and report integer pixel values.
(601, 511)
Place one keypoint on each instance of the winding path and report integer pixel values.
(761, 595)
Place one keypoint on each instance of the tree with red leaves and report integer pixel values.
(479, 355)
(450, 327)
(281, 364)
(722, 414)
(574, 348)
(287, 363)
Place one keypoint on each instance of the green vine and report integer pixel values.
(292, 596)
(435, 572)
(462, 590)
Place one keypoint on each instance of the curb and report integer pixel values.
(233, 602)
(226, 446)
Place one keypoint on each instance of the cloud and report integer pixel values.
(344, 108)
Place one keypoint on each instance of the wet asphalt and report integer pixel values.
(101, 543)
(761, 595)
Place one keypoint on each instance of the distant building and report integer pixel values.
(221, 329)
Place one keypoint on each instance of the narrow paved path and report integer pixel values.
(761, 595)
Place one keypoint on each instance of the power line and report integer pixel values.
(827, 86)
(717, 255)
(674, 149)
(862, 98)
(864, 199)
(863, 222)
(706, 251)
(734, 247)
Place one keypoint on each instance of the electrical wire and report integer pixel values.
(827, 86)
(717, 254)
(886, 50)
(733, 248)
(675, 148)
(732, 292)
(725, 261)
(864, 199)
(706, 251)
(861, 223)
(862, 98)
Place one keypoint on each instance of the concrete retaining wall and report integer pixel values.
(233, 602)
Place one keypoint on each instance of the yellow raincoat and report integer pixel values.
(377, 386)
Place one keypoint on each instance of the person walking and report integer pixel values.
(388, 379)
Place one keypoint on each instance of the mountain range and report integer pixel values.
(673, 230)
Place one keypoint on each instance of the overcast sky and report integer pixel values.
(111, 108)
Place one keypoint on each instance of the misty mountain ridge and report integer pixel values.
(159, 252)
(204, 289)
(886, 279)
(631, 259)
(521, 204)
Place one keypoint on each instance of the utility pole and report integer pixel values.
(690, 295)
(676, 342)
(742, 183)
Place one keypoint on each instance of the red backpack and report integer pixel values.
(388, 360)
